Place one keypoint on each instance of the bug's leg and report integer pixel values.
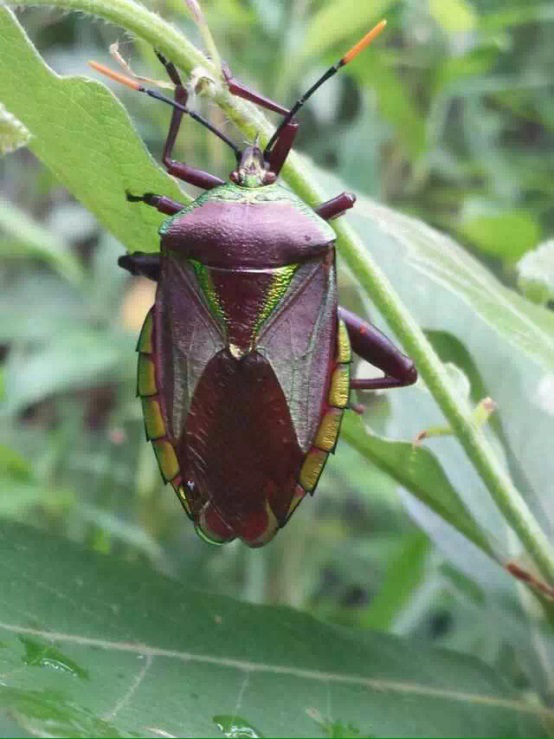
(283, 144)
(140, 263)
(183, 171)
(237, 88)
(373, 346)
(336, 207)
(163, 204)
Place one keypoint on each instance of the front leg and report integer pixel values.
(283, 144)
(373, 346)
(336, 207)
(182, 171)
(141, 264)
(160, 202)
(242, 91)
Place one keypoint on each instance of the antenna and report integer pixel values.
(351, 54)
(134, 85)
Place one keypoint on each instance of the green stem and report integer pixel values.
(470, 435)
(431, 368)
(162, 35)
(136, 18)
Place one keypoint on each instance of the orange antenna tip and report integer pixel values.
(364, 42)
(117, 76)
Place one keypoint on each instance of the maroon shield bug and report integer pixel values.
(244, 359)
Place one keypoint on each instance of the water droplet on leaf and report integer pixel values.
(40, 654)
(235, 726)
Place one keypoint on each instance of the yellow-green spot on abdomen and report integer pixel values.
(344, 350)
(339, 392)
(180, 490)
(282, 277)
(154, 422)
(328, 431)
(297, 498)
(146, 380)
(312, 469)
(153, 419)
(167, 459)
(144, 344)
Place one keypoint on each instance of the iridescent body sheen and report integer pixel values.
(242, 365)
(244, 360)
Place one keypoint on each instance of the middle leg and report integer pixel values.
(164, 205)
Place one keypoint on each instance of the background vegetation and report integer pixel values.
(449, 119)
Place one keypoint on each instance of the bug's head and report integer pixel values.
(255, 168)
(252, 170)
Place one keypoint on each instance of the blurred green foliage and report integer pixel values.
(451, 119)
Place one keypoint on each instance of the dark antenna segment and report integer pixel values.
(351, 54)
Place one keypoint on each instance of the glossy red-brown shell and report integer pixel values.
(242, 398)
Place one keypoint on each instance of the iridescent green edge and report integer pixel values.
(267, 194)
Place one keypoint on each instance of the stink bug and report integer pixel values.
(244, 359)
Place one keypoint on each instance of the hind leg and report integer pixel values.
(373, 346)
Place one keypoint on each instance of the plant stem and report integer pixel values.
(470, 435)
(416, 344)
(135, 18)
(163, 36)
(198, 15)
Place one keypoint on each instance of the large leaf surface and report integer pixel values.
(13, 133)
(83, 134)
(510, 343)
(21, 236)
(418, 470)
(92, 646)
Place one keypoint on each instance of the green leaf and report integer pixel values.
(83, 134)
(17, 498)
(14, 464)
(404, 574)
(337, 21)
(13, 134)
(535, 273)
(453, 16)
(72, 359)
(395, 102)
(95, 647)
(23, 237)
(418, 470)
(510, 341)
(505, 234)
(8, 727)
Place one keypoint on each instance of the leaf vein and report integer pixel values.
(379, 684)
(135, 685)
